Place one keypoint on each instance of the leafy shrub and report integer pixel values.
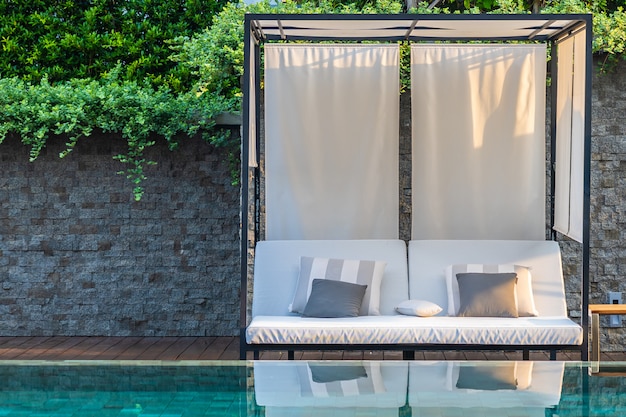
(215, 55)
(65, 39)
(76, 108)
(609, 28)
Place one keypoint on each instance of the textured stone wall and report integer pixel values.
(608, 196)
(79, 257)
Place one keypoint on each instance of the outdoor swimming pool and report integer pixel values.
(311, 388)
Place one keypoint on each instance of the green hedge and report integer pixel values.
(65, 39)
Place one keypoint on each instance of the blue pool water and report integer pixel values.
(315, 388)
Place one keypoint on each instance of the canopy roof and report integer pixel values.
(530, 27)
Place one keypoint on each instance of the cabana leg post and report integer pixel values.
(243, 348)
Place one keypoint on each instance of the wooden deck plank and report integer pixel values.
(518, 356)
(88, 344)
(497, 355)
(454, 356)
(434, 356)
(58, 352)
(138, 349)
(21, 346)
(116, 349)
(40, 349)
(392, 355)
(332, 355)
(271, 355)
(177, 348)
(613, 356)
(353, 355)
(156, 350)
(217, 348)
(232, 350)
(102, 346)
(374, 355)
(15, 346)
(194, 351)
(311, 355)
(475, 356)
(223, 348)
(6, 339)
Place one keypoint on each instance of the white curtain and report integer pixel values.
(331, 141)
(570, 137)
(478, 115)
(252, 151)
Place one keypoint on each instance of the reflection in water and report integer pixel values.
(441, 389)
(315, 388)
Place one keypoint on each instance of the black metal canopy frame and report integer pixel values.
(551, 29)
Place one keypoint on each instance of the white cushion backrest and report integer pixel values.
(277, 265)
(278, 384)
(429, 258)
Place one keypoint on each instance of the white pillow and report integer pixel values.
(421, 308)
(523, 289)
(360, 272)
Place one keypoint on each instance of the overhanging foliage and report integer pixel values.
(143, 68)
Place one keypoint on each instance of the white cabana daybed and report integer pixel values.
(329, 167)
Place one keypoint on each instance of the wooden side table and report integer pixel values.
(595, 310)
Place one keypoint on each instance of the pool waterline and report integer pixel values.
(316, 388)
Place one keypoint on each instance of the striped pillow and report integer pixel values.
(523, 289)
(360, 272)
(348, 380)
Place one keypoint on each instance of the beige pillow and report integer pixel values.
(362, 272)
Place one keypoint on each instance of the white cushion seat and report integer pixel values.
(398, 329)
(418, 276)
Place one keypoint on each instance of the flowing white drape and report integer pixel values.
(252, 151)
(570, 137)
(331, 141)
(478, 115)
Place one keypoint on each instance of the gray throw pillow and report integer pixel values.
(325, 373)
(487, 295)
(487, 377)
(331, 298)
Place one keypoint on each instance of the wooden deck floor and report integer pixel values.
(214, 348)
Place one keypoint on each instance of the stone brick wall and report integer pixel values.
(79, 257)
(608, 196)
